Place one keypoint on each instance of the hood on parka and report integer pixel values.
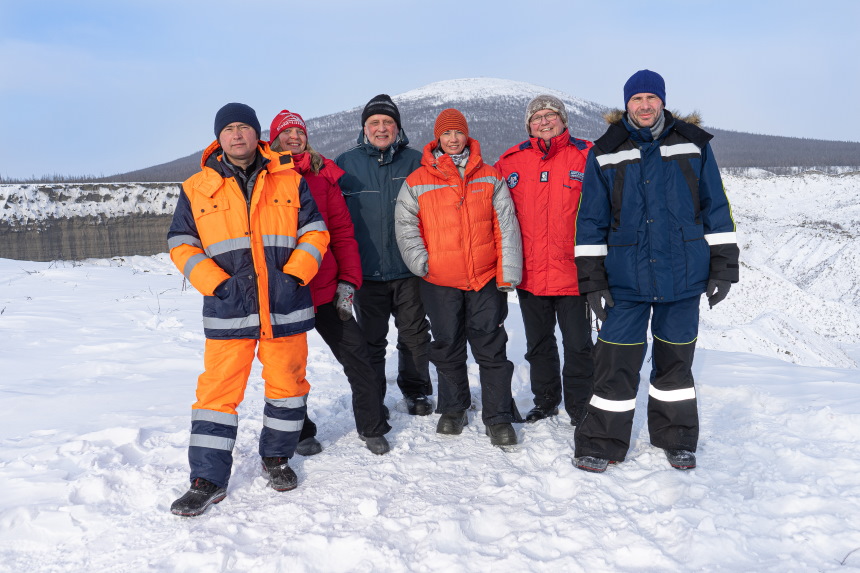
(614, 116)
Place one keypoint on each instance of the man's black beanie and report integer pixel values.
(381, 104)
(233, 112)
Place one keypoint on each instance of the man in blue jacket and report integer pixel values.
(375, 170)
(654, 232)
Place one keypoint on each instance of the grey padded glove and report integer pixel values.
(595, 301)
(343, 300)
(717, 291)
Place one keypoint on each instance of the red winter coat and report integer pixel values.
(546, 188)
(342, 262)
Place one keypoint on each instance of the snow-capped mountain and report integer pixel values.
(495, 109)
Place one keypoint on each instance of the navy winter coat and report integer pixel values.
(654, 223)
(371, 184)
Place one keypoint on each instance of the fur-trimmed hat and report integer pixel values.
(450, 119)
(381, 104)
(233, 112)
(645, 82)
(545, 101)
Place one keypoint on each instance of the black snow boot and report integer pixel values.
(502, 434)
(681, 459)
(376, 444)
(309, 447)
(539, 413)
(281, 475)
(196, 500)
(452, 424)
(591, 464)
(418, 405)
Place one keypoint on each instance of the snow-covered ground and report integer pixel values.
(97, 373)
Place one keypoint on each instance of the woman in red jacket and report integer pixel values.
(456, 227)
(334, 285)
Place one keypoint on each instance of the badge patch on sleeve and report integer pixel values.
(544, 176)
(576, 176)
(513, 179)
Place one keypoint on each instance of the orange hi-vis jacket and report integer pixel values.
(458, 230)
(250, 258)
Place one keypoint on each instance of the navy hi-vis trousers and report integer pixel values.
(673, 420)
(221, 388)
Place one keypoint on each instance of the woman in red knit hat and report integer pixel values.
(334, 285)
(456, 227)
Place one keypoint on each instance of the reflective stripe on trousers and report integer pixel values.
(221, 388)
(618, 357)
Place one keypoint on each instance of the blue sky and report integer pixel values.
(102, 87)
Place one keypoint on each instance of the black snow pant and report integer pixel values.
(375, 303)
(673, 420)
(458, 316)
(549, 379)
(349, 346)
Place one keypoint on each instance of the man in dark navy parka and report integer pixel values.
(654, 232)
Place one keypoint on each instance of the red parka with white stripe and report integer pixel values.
(263, 249)
(545, 186)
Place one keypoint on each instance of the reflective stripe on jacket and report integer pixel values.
(458, 230)
(654, 223)
(254, 248)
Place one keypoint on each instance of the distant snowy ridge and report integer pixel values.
(29, 203)
(799, 294)
(451, 93)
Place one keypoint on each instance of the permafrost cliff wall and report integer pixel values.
(45, 222)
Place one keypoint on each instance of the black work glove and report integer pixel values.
(595, 301)
(717, 291)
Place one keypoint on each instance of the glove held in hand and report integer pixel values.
(343, 300)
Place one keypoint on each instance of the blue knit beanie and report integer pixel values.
(233, 112)
(645, 82)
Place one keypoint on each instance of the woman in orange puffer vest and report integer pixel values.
(456, 227)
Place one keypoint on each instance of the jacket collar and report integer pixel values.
(387, 156)
(556, 143)
(446, 166)
(643, 135)
(215, 171)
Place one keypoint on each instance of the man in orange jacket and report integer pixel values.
(247, 235)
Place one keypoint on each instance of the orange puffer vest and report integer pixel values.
(458, 231)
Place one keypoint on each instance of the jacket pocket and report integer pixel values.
(282, 291)
(212, 216)
(232, 302)
(621, 259)
(697, 256)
